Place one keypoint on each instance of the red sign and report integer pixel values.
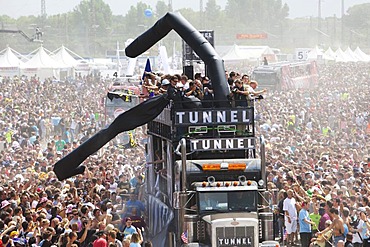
(251, 36)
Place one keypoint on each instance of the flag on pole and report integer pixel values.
(184, 237)
(119, 65)
(148, 68)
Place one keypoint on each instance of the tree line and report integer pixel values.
(91, 29)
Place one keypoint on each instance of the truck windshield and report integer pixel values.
(265, 79)
(228, 201)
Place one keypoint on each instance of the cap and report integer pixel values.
(4, 204)
(128, 219)
(309, 193)
(165, 82)
(13, 234)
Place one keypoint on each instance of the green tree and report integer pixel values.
(192, 16)
(161, 8)
(119, 31)
(256, 13)
(357, 25)
(92, 18)
(6, 20)
(136, 21)
(212, 14)
(93, 14)
(358, 17)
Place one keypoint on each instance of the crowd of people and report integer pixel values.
(41, 121)
(318, 158)
(317, 151)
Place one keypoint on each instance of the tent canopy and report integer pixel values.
(361, 55)
(315, 53)
(9, 59)
(41, 60)
(351, 55)
(250, 53)
(62, 56)
(234, 54)
(340, 56)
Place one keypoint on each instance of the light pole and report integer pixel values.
(95, 27)
(342, 24)
(319, 23)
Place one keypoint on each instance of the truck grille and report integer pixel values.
(235, 236)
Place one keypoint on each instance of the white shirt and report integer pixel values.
(289, 205)
(356, 236)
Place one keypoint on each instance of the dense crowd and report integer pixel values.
(317, 151)
(318, 157)
(41, 121)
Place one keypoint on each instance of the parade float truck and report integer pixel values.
(205, 168)
(206, 179)
(287, 75)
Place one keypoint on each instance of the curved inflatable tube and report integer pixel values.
(176, 22)
(191, 103)
(70, 165)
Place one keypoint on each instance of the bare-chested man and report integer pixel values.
(337, 226)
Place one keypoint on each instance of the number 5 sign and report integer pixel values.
(301, 54)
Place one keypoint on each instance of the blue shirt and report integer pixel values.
(134, 204)
(304, 226)
(129, 231)
(364, 231)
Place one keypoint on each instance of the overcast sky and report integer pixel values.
(298, 8)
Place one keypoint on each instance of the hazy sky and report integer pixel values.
(298, 8)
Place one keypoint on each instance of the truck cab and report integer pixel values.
(228, 212)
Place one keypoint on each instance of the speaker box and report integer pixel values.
(189, 71)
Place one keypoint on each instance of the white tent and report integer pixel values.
(222, 50)
(42, 65)
(315, 53)
(340, 56)
(62, 55)
(249, 53)
(361, 55)
(234, 54)
(329, 54)
(351, 55)
(10, 64)
(257, 53)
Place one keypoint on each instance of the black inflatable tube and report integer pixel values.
(70, 165)
(176, 22)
